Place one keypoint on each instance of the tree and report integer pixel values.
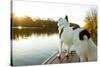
(91, 23)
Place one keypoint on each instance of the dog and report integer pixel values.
(78, 40)
(65, 34)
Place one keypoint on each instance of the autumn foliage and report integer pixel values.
(90, 23)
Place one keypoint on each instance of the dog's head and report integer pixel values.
(62, 22)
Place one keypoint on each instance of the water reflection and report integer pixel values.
(33, 46)
(27, 32)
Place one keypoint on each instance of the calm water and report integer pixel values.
(31, 47)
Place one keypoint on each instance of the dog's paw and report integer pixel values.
(66, 55)
(58, 55)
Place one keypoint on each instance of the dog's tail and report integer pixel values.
(84, 34)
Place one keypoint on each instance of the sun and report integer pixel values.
(19, 27)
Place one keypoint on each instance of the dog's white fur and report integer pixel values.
(86, 49)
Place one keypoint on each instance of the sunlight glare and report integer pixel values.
(19, 27)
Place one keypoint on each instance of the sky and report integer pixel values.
(76, 13)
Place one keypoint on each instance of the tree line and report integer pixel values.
(27, 21)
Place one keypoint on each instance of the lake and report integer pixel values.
(33, 46)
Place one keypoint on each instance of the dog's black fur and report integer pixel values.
(74, 28)
(61, 33)
(66, 17)
(82, 33)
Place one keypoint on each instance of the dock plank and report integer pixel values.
(63, 59)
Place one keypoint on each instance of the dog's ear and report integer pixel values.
(66, 17)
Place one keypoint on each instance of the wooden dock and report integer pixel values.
(63, 59)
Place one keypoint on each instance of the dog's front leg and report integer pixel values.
(67, 52)
(60, 49)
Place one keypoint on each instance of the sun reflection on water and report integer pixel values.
(19, 27)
